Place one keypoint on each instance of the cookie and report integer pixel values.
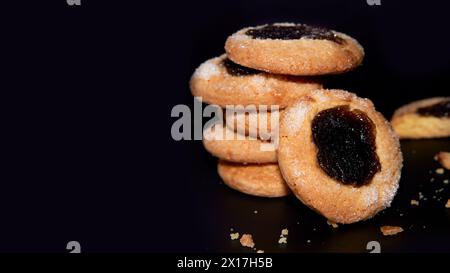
(339, 155)
(294, 49)
(226, 144)
(257, 124)
(220, 81)
(444, 159)
(263, 180)
(428, 118)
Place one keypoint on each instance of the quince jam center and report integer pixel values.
(345, 141)
(441, 109)
(293, 32)
(235, 69)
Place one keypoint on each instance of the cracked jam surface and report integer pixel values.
(441, 109)
(293, 33)
(346, 149)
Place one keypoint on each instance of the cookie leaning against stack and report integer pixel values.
(268, 65)
(339, 156)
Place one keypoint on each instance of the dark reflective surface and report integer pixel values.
(426, 227)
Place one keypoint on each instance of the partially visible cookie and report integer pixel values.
(294, 49)
(427, 118)
(444, 159)
(339, 155)
(260, 180)
(226, 144)
(262, 125)
(223, 82)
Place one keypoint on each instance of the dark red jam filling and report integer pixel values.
(235, 69)
(293, 33)
(441, 109)
(345, 140)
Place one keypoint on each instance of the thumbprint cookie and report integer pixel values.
(294, 49)
(339, 155)
(223, 82)
(428, 118)
(226, 144)
(263, 180)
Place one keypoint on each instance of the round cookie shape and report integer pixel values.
(223, 82)
(225, 144)
(344, 190)
(253, 123)
(262, 180)
(427, 118)
(294, 49)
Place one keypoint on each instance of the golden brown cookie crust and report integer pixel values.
(390, 230)
(253, 123)
(248, 150)
(444, 159)
(212, 82)
(263, 180)
(408, 123)
(297, 156)
(303, 56)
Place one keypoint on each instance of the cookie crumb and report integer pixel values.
(284, 232)
(260, 251)
(440, 171)
(333, 224)
(282, 240)
(234, 236)
(390, 230)
(421, 196)
(247, 240)
(448, 204)
(414, 202)
(444, 159)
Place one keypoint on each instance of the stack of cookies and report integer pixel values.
(329, 140)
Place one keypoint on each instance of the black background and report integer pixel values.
(87, 151)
